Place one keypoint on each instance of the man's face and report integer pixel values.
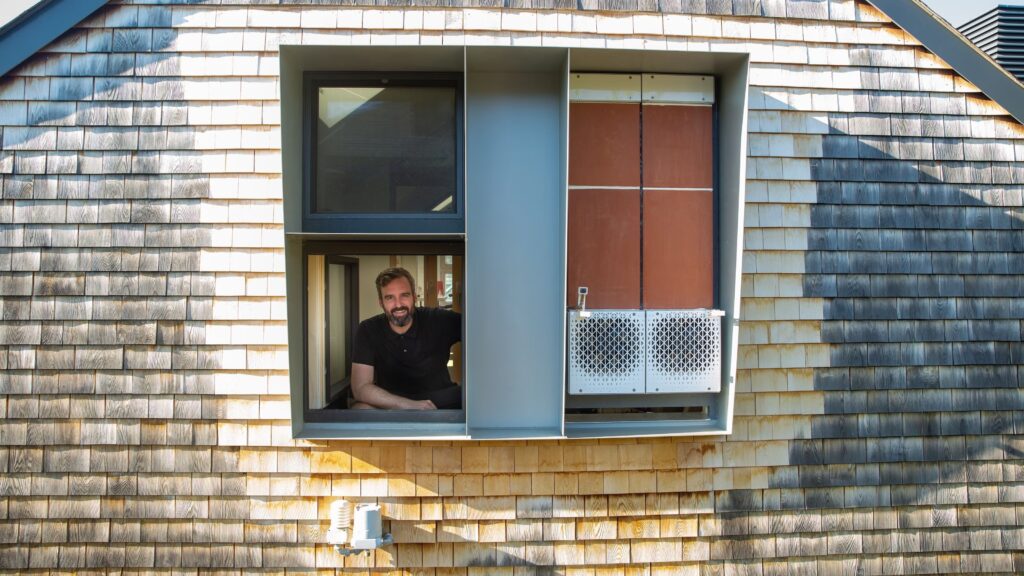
(398, 301)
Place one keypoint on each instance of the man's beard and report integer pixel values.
(399, 322)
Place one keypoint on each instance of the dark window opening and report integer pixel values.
(341, 292)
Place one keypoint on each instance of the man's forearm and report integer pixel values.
(380, 398)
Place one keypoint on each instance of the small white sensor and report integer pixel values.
(341, 519)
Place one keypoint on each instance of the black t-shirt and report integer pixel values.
(412, 364)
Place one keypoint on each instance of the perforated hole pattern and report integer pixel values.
(606, 352)
(632, 351)
(684, 351)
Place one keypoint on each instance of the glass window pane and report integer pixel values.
(386, 150)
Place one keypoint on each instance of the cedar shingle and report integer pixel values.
(900, 291)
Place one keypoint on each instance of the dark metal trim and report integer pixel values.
(41, 24)
(392, 417)
(947, 43)
(383, 247)
(351, 306)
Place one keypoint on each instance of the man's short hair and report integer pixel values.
(389, 275)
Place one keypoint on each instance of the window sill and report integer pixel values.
(386, 417)
(516, 434)
(382, 431)
(635, 429)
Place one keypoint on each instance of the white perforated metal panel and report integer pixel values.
(684, 351)
(606, 352)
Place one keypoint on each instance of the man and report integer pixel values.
(400, 357)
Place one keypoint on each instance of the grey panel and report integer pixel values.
(732, 169)
(515, 241)
(294, 289)
(655, 428)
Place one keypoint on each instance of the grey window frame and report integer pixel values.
(379, 222)
(515, 110)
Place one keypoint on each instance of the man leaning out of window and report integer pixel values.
(400, 357)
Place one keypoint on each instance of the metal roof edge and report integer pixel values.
(942, 39)
(38, 26)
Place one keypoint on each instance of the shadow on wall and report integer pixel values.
(106, 187)
(915, 244)
(917, 247)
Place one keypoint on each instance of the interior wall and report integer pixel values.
(369, 267)
(337, 296)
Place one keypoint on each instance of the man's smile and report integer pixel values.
(400, 315)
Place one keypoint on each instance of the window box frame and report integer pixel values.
(494, 78)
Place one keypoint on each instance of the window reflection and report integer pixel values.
(385, 150)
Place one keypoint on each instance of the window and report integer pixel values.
(380, 184)
(384, 153)
(341, 293)
(384, 157)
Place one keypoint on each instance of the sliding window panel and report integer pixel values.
(679, 268)
(678, 207)
(316, 332)
(604, 247)
(604, 144)
(515, 242)
(604, 204)
(678, 146)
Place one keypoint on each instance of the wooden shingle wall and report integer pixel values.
(142, 341)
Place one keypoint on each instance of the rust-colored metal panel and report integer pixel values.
(677, 147)
(604, 247)
(678, 249)
(604, 144)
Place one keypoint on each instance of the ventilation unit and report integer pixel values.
(606, 352)
(645, 352)
(684, 351)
